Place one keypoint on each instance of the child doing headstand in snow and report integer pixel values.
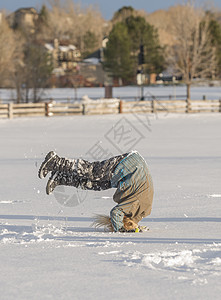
(128, 173)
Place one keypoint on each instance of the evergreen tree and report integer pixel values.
(122, 14)
(42, 28)
(121, 55)
(90, 43)
(215, 32)
(143, 33)
(118, 53)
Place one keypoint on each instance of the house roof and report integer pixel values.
(92, 60)
(25, 10)
(95, 54)
(50, 47)
(67, 48)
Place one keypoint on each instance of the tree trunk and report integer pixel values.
(188, 90)
(18, 94)
(188, 84)
(27, 94)
(35, 94)
(75, 92)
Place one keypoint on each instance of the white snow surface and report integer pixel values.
(49, 250)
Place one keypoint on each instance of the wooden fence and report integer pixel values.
(108, 107)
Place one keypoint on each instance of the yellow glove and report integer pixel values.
(141, 228)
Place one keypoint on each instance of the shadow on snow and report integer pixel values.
(80, 234)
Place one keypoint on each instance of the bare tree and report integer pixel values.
(192, 54)
(69, 21)
(7, 49)
(18, 71)
(58, 21)
(161, 20)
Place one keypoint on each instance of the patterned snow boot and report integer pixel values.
(55, 180)
(53, 163)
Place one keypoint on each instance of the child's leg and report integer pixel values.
(83, 174)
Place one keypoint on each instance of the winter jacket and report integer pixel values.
(133, 181)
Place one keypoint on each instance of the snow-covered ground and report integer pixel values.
(48, 249)
(130, 92)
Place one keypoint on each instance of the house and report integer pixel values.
(97, 56)
(24, 18)
(70, 70)
(65, 56)
(91, 67)
(168, 77)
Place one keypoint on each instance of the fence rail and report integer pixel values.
(114, 106)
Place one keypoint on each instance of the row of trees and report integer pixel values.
(25, 64)
(190, 46)
(193, 52)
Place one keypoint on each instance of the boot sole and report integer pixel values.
(48, 192)
(48, 157)
(48, 187)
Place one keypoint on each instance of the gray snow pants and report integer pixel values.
(90, 175)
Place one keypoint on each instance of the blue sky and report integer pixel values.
(107, 7)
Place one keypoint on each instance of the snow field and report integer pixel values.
(197, 93)
(49, 250)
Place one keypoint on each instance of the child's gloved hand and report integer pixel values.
(141, 228)
(138, 229)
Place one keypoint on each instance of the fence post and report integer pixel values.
(219, 105)
(84, 109)
(120, 107)
(46, 109)
(10, 110)
(188, 105)
(153, 106)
